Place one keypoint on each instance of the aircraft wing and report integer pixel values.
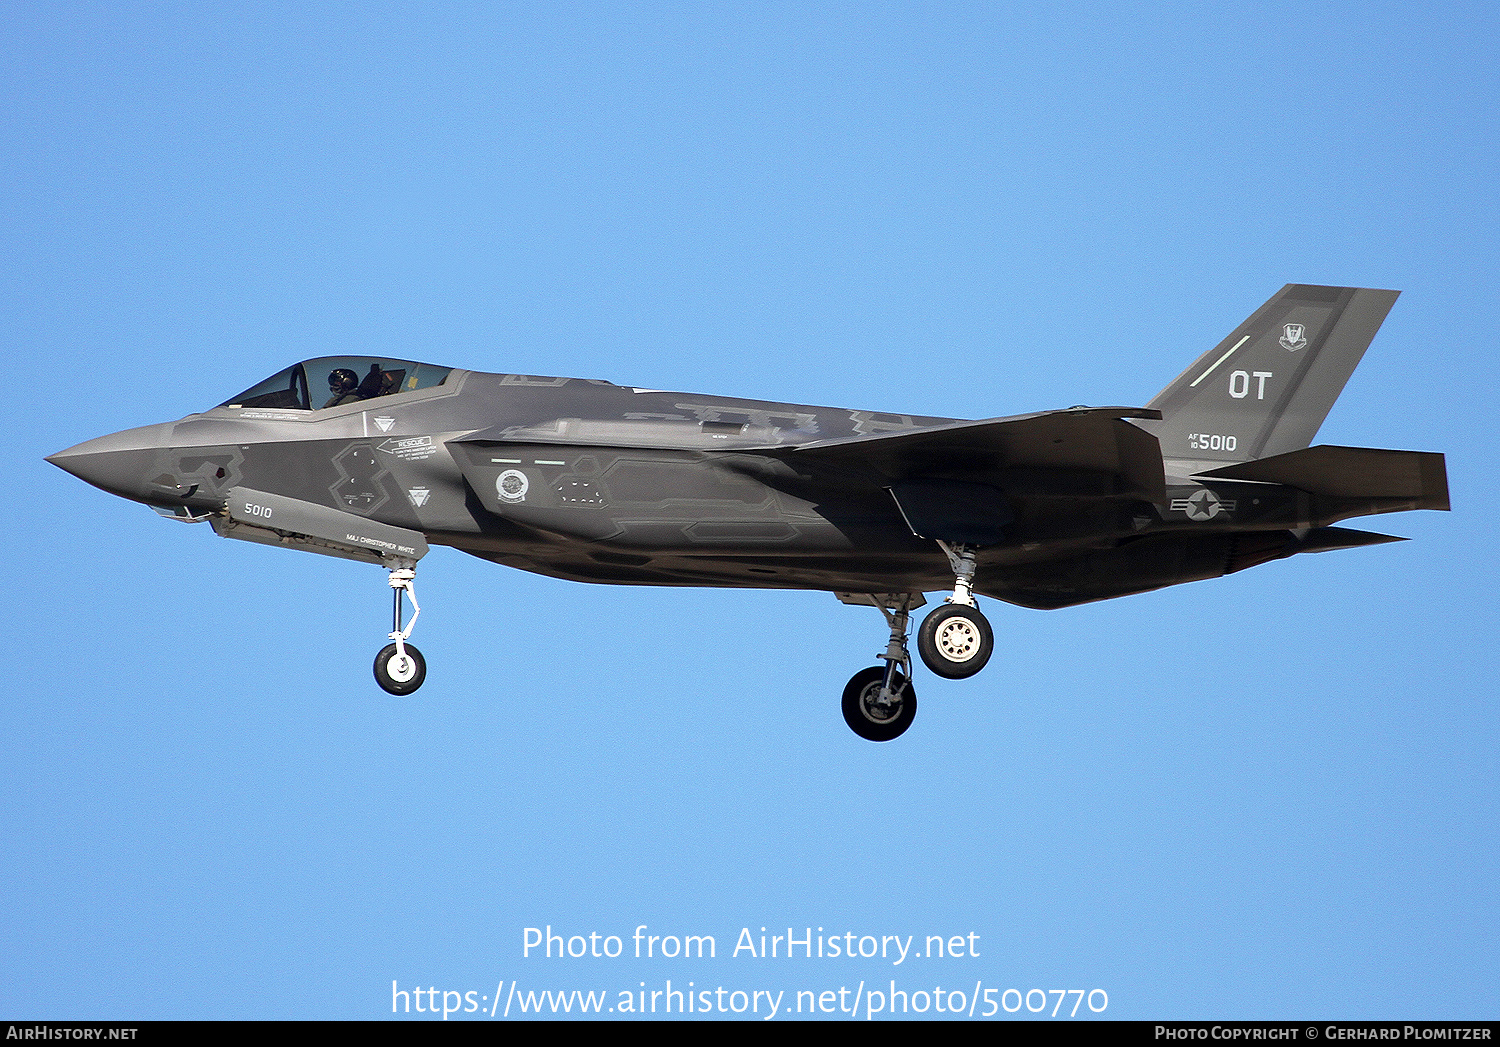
(1084, 451)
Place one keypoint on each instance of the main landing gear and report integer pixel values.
(400, 667)
(880, 702)
(955, 642)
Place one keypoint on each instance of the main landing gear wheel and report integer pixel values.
(397, 673)
(955, 641)
(873, 709)
(875, 719)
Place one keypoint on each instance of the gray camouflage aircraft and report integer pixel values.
(596, 482)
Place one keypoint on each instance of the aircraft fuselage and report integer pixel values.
(592, 481)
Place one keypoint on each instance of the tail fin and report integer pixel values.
(1266, 388)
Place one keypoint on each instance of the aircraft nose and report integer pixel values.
(120, 463)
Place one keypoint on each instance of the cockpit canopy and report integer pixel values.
(348, 379)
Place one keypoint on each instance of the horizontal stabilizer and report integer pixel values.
(1420, 477)
(1326, 539)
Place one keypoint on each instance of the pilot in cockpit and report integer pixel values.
(343, 386)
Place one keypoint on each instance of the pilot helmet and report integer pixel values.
(342, 380)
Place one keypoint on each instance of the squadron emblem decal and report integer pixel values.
(1203, 505)
(511, 485)
(1293, 337)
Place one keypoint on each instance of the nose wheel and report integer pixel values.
(400, 667)
(400, 672)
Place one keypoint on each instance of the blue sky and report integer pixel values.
(1271, 795)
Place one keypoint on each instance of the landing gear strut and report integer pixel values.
(955, 640)
(879, 702)
(400, 667)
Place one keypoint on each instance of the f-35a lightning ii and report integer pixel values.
(597, 482)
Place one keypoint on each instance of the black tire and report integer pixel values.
(955, 641)
(864, 714)
(391, 676)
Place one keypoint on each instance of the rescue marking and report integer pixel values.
(410, 448)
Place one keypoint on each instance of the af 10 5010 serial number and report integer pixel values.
(1212, 442)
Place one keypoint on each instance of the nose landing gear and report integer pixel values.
(400, 667)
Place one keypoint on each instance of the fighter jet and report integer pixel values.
(592, 481)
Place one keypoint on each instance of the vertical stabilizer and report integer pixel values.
(1266, 388)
